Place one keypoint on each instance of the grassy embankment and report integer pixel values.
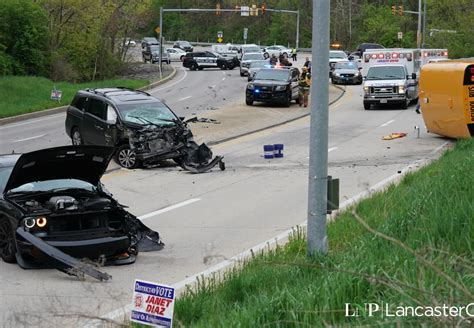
(26, 94)
(424, 257)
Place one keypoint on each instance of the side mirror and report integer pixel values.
(182, 118)
(408, 77)
(359, 68)
(413, 76)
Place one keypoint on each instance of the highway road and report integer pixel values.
(210, 217)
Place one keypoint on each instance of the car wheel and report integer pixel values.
(7, 242)
(266, 55)
(76, 137)
(181, 58)
(249, 101)
(193, 67)
(242, 74)
(125, 157)
(366, 106)
(332, 81)
(223, 66)
(405, 104)
(200, 68)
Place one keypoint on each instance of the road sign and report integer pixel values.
(246, 30)
(153, 304)
(244, 11)
(219, 40)
(400, 35)
(157, 30)
(220, 34)
(56, 94)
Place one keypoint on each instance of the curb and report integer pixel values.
(213, 143)
(56, 110)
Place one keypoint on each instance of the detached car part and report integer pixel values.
(54, 211)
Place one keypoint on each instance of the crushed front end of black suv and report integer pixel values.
(54, 212)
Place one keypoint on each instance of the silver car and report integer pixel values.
(257, 66)
(248, 58)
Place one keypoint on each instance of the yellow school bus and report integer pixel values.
(446, 91)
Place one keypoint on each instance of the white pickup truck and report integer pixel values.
(389, 84)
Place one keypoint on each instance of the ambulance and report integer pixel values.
(411, 58)
(432, 55)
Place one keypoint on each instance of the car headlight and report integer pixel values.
(280, 88)
(31, 222)
(366, 90)
(250, 86)
(401, 89)
(336, 74)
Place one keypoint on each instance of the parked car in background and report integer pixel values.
(361, 48)
(346, 73)
(277, 51)
(130, 43)
(274, 85)
(149, 41)
(151, 53)
(176, 54)
(256, 66)
(246, 48)
(183, 45)
(248, 58)
(336, 56)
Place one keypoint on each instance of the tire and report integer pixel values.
(249, 101)
(366, 106)
(181, 58)
(76, 137)
(266, 55)
(405, 104)
(223, 66)
(242, 74)
(200, 68)
(7, 242)
(193, 67)
(332, 81)
(126, 158)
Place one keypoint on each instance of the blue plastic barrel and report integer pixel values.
(278, 150)
(268, 151)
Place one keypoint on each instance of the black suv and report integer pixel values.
(183, 45)
(151, 53)
(274, 85)
(148, 41)
(142, 128)
(207, 59)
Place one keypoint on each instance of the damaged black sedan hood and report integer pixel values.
(86, 163)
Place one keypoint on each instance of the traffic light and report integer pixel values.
(394, 10)
(218, 9)
(264, 7)
(400, 10)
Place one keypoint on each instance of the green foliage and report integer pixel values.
(23, 38)
(429, 263)
(26, 94)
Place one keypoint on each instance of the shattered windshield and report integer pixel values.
(272, 74)
(54, 185)
(147, 113)
(4, 175)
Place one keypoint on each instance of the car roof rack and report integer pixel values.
(104, 94)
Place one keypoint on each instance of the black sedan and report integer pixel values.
(346, 73)
(54, 210)
(273, 85)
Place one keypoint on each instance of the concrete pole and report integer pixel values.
(318, 147)
(418, 33)
(297, 29)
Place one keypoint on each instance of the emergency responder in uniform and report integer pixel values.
(293, 54)
(304, 84)
(273, 60)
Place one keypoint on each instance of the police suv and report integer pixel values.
(207, 59)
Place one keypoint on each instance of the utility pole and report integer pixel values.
(318, 147)
(424, 25)
(418, 33)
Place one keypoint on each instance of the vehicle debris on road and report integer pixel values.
(394, 135)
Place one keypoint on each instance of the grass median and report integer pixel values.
(410, 245)
(26, 94)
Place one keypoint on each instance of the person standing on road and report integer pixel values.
(293, 54)
(304, 84)
(307, 64)
(273, 60)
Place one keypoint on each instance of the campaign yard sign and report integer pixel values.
(153, 304)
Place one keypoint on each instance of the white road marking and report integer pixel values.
(124, 311)
(48, 117)
(30, 138)
(274, 165)
(174, 83)
(223, 79)
(387, 123)
(169, 208)
(184, 98)
(331, 149)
